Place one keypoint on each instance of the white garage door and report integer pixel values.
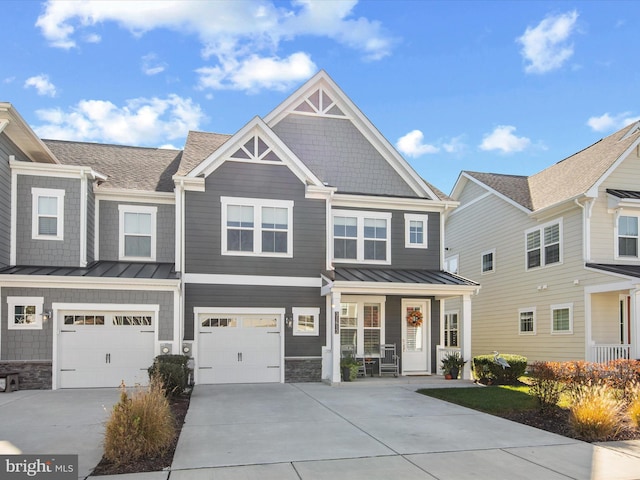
(104, 349)
(239, 348)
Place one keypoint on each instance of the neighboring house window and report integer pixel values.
(361, 237)
(415, 231)
(543, 245)
(47, 214)
(488, 261)
(451, 264)
(252, 226)
(627, 236)
(451, 329)
(137, 232)
(24, 313)
(361, 325)
(306, 321)
(562, 318)
(527, 321)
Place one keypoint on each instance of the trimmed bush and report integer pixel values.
(172, 371)
(486, 370)
(545, 384)
(595, 414)
(140, 425)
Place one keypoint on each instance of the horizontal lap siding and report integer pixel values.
(7, 148)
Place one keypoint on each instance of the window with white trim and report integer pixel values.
(361, 237)
(543, 245)
(362, 325)
(254, 226)
(562, 318)
(627, 236)
(488, 261)
(527, 321)
(137, 232)
(451, 329)
(451, 264)
(24, 313)
(306, 321)
(47, 214)
(415, 230)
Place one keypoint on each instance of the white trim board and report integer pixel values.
(255, 280)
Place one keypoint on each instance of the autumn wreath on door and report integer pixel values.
(414, 318)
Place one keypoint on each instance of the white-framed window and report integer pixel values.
(544, 245)
(47, 221)
(451, 329)
(137, 232)
(527, 321)
(415, 230)
(562, 318)
(361, 237)
(306, 321)
(627, 236)
(254, 226)
(24, 313)
(488, 261)
(362, 324)
(451, 264)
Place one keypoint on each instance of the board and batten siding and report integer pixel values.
(203, 229)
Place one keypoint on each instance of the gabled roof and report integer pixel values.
(20, 133)
(514, 187)
(198, 147)
(132, 168)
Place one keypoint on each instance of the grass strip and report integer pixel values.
(496, 400)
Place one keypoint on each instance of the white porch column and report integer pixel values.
(465, 346)
(335, 335)
(635, 324)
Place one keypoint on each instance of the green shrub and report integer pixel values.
(595, 413)
(173, 372)
(486, 370)
(545, 384)
(140, 425)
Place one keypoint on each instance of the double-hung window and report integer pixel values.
(253, 226)
(415, 230)
(47, 214)
(527, 321)
(361, 237)
(488, 261)
(24, 313)
(362, 324)
(137, 232)
(628, 236)
(544, 246)
(562, 318)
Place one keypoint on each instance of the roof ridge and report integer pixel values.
(100, 144)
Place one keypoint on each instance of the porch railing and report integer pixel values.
(607, 353)
(442, 352)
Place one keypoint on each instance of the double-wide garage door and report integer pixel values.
(239, 348)
(104, 349)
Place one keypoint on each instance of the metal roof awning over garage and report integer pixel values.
(100, 269)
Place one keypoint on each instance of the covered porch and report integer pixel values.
(370, 307)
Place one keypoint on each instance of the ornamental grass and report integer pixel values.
(595, 414)
(633, 410)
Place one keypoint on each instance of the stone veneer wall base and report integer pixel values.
(297, 370)
(32, 374)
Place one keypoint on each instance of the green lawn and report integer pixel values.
(495, 399)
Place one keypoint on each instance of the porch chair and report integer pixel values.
(388, 359)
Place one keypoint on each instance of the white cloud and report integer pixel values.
(234, 34)
(412, 145)
(141, 121)
(546, 47)
(502, 138)
(606, 122)
(42, 85)
(151, 65)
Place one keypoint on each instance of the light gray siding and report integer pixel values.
(203, 223)
(336, 151)
(48, 252)
(38, 344)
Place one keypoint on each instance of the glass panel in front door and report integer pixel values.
(414, 334)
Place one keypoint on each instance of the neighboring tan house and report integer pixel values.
(261, 253)
(556, 254)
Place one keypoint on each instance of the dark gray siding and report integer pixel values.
(231, 296)
(110, 228)
(38, 344)
(91, 216)
(48, 252)
(6, 148)
(233, 179)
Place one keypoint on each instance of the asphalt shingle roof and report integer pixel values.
(199, 146)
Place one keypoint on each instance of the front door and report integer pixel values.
(415, 345)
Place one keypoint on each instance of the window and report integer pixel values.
(84, 319)
(451, 264)
(562, 318)
(488, 261)
(132, 320)
(415, 231)
(362, 325)
(137, 232)
(252, 226)
(306, 321)
(543, 245)
(451, 329)
(361, 237)
(47, 214)
(627, 236)
(527, 321)
(24, 313)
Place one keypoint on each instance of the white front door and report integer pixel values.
(415, 346)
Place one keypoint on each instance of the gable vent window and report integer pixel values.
(320, 103)
(255, 149)
(544, 246)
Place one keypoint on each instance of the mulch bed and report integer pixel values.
(179, 407)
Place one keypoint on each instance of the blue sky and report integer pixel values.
(503, 87)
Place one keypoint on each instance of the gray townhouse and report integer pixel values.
(262, 254)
